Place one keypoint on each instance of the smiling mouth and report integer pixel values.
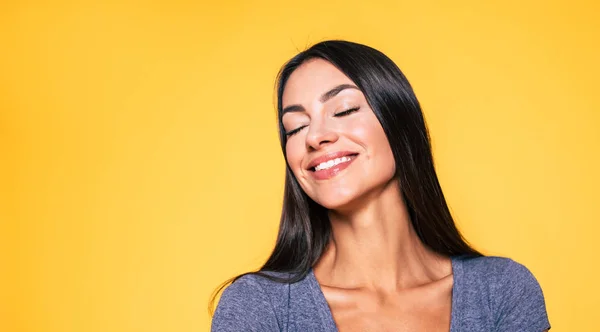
(332, 163)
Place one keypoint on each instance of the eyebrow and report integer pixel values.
(324, 98)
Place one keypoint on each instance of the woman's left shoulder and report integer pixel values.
(514, 294)
(497, 268)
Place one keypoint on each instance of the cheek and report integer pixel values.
(377, 146)
(293, 154)
(385, 157)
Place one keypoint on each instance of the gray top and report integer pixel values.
(488, 294)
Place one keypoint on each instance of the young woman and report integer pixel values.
(366, 241)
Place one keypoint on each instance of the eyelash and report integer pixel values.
(342, 113)
(346, 112)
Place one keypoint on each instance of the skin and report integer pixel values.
(376, 274)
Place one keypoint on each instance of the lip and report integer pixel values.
(326, 174)
(315, 162)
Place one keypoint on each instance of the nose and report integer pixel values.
(320, 135)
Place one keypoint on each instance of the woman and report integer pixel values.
(366, 240)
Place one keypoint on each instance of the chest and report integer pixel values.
(394, 319)
(422, 310)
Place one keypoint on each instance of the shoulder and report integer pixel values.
(254, 284)
(254, 287)
(512, 292)
(251, 303)
(490, 265)
(501, 272)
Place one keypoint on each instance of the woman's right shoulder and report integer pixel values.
(255, 286)
(251, 303)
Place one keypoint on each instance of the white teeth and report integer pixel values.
(331, 163)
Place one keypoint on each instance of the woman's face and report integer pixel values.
(335, 147)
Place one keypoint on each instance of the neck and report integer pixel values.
(375, 246)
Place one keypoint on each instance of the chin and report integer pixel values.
(336, 200)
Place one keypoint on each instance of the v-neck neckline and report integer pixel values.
(327, 315)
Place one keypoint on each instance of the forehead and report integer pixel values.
(310, 80)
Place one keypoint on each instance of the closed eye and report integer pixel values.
(292, 132)
(340, 114)
(346, 112)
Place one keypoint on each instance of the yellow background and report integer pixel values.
(140, 167)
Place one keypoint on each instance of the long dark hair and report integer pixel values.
(304, 229)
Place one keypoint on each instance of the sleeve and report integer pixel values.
(244, 306)
(522, 305)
